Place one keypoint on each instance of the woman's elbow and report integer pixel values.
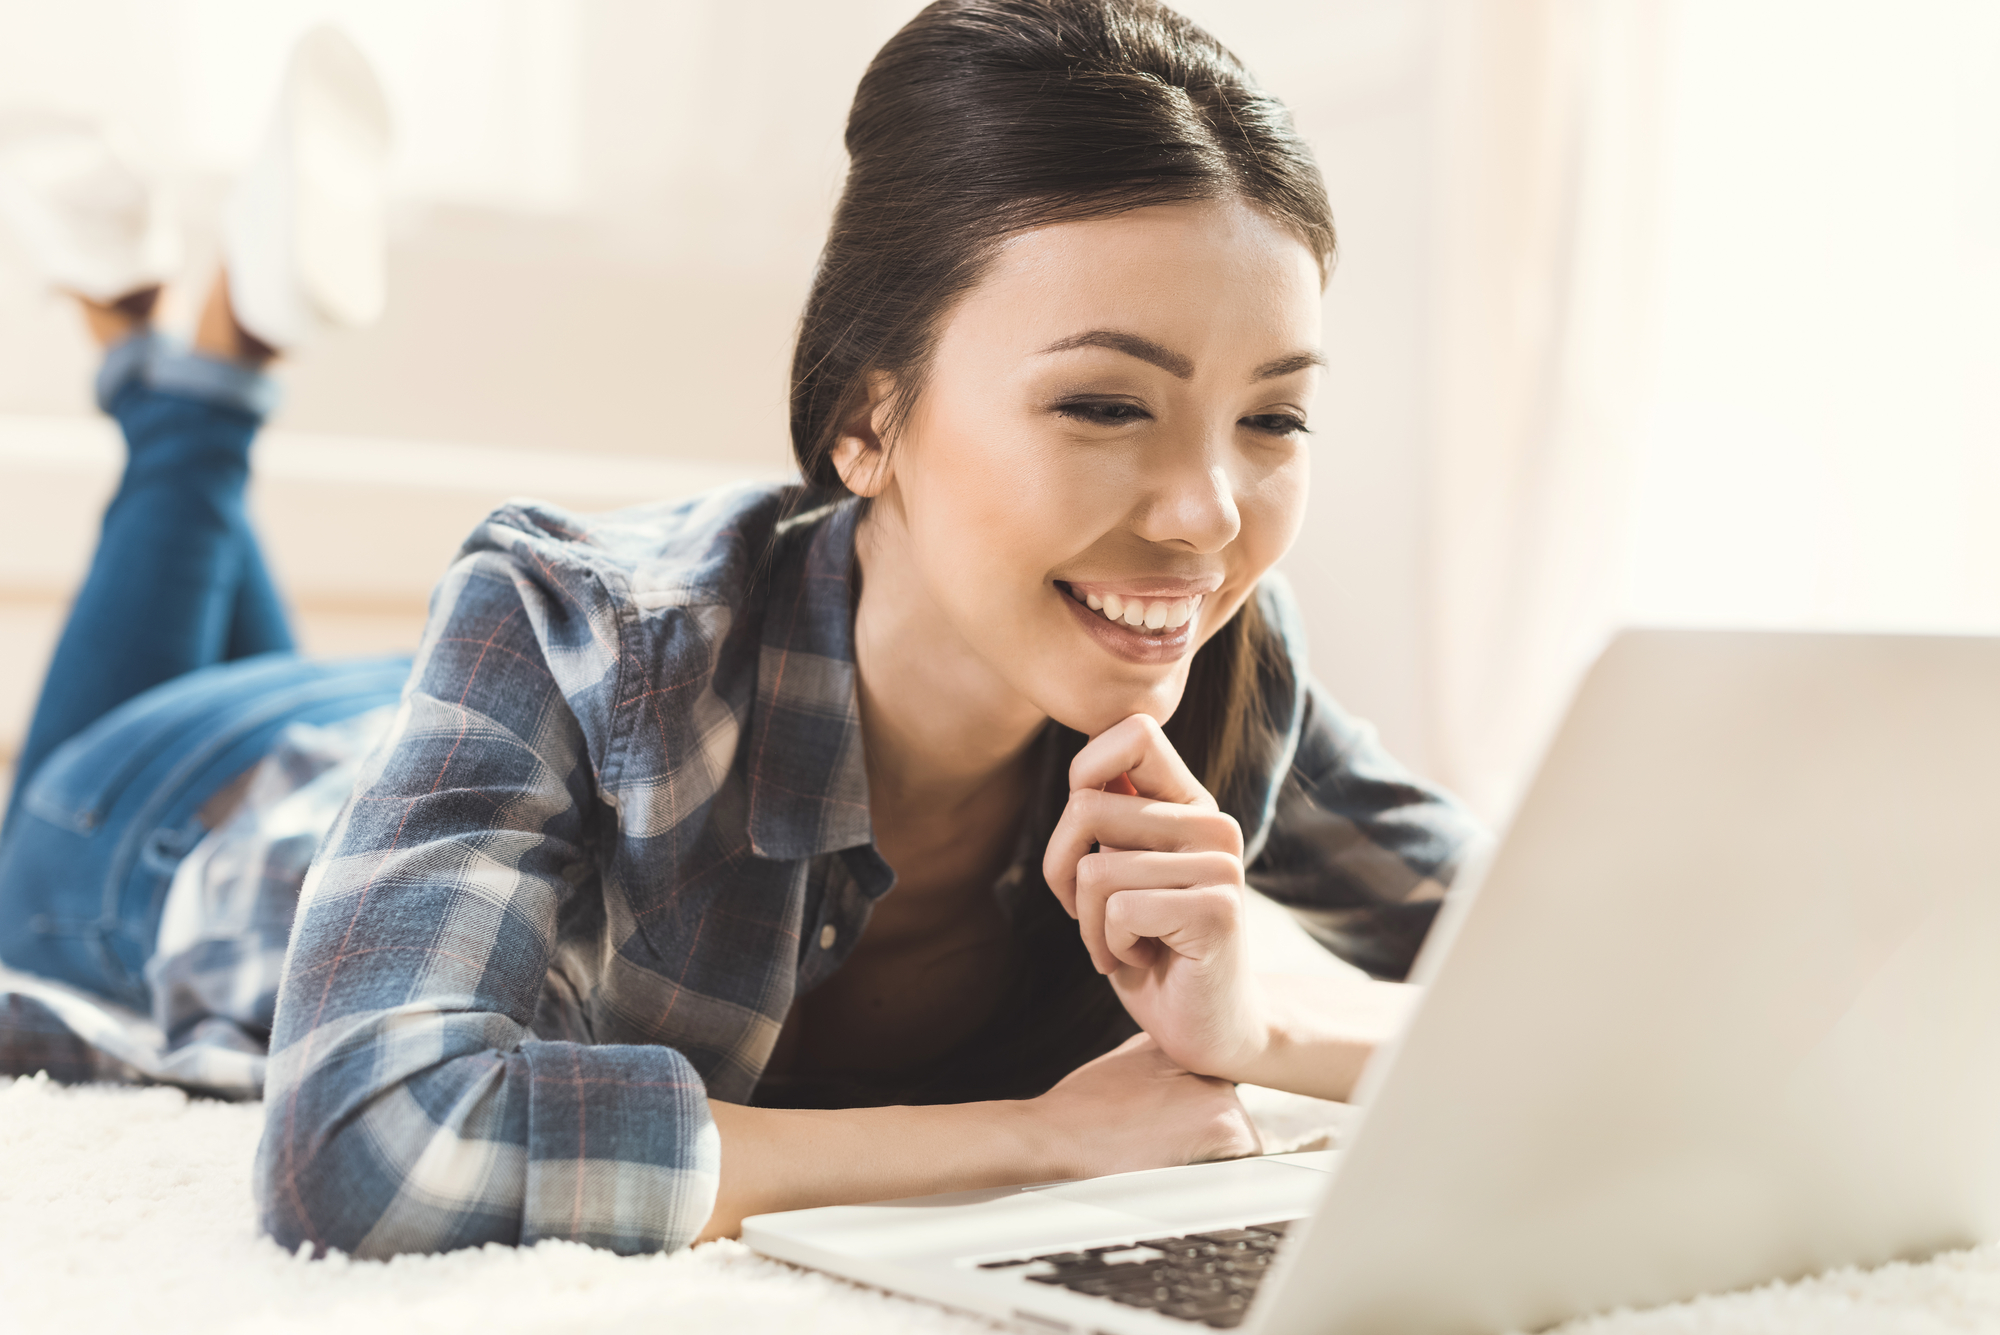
(385, 1179)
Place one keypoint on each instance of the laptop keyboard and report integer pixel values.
(1205, 1277)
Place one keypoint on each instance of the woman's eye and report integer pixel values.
(1277, 424)
(1104, 414)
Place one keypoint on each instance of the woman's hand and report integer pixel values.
(1135, 1107)
(1160, 901)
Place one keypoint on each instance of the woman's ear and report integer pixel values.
(860, 454)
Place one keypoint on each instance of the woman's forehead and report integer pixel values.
(1196, 281)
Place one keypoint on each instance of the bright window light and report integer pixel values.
(1825, 445)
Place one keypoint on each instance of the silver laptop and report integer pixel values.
(1725, 1007)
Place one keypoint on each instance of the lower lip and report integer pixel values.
(1129, 644)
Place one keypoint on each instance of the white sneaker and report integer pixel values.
(304, 234)
(90, 220)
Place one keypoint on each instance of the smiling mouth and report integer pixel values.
(1163, 617)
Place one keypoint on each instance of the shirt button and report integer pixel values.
(827, 936)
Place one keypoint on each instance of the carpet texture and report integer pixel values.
(129, 1210)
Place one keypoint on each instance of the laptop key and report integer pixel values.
(1203, 1309)
(1234, 1239)
(1104, 1286)
(1078, 1274)
(1123, 1253)
(1203, 1289)
(1155, 1296)
(1067, 1258)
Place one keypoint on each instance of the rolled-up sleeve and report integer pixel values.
(409, 1106)
(1360, 849)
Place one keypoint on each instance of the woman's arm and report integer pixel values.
(409, 1105)
(1320, 1032)
(1132, 1108)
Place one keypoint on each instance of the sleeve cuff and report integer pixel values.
(622, 1151)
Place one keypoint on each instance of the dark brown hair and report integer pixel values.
(982, 118)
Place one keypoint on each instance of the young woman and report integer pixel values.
(887, 834)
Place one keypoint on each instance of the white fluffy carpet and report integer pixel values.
(129, 1210)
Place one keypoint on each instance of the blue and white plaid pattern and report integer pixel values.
(215, 969)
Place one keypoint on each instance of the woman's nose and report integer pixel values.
(1192, 502)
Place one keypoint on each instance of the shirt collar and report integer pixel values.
(808, 772)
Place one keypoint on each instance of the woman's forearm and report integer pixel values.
(1320, 1032)
(1130, 1109)
(793, 1159)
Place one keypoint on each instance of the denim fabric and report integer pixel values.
(103, 824)
(173, 676)
(178, 581)
(620, 823)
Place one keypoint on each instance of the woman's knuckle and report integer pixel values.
(1221, 832)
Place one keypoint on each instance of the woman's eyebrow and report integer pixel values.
(1173, 363)
(1298, 361)
(1132, 345)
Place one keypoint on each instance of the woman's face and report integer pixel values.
(1108, 453)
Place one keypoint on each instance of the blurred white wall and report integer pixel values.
(1824, 442)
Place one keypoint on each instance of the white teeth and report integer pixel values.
(1144, 614)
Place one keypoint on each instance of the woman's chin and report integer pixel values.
(1091, 712)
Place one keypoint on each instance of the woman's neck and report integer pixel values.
(943, 730)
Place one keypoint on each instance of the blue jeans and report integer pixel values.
(173, 676)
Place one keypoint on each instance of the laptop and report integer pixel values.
(1722, 1008)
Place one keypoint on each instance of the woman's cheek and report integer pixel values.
(1273, 509)
(994, 511)
(1040, 491)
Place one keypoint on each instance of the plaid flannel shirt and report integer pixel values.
(618, 824)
